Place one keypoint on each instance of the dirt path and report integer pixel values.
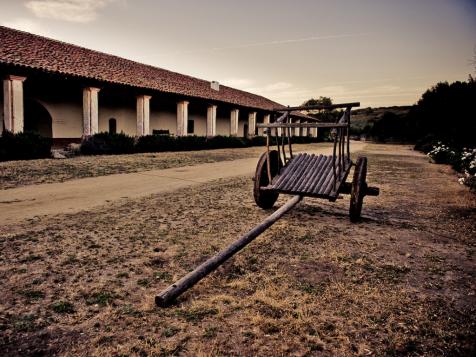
(76, 195)
(14, 174)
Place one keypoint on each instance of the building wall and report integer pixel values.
(223, 121)
(241, 125)
(223, 126)
(198, 113)
(242, 121)
(63, 99)
(126, 118)
(200, 123)
(163, 120)
(67, 117)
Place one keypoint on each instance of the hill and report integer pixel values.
(363, 119)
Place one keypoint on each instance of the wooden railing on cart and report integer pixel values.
(340, 133)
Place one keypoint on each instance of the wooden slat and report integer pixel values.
(292, 174)
(306, 174)
(328, 178)
(311, 174)
(289, 169)
(292, 171)
(327, 186)
(297, 175)
(343, 177)
(293, 165)
(314, 189)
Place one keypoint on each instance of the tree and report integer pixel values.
(323, 115)
(446, 112)
(319, 101)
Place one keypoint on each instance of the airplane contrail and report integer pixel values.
(258, 44)
(279, 42)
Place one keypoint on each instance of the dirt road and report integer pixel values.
(76, 195)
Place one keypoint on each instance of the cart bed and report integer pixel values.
(311, 175)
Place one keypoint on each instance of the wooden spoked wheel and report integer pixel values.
(266, 198)
(359, 186)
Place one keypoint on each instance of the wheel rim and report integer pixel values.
(264, 198)
(358, 189)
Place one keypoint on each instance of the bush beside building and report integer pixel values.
(24, 146)
(107, 144)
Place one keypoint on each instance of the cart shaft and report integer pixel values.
(168, 295)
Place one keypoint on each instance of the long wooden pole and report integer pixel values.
(179, 287)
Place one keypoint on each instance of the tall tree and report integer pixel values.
(319, 101)
(323, 115)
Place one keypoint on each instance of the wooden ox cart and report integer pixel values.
(308, 175)
(279, 171)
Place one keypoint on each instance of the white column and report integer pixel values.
(212, 120)
(90, 111)
(314, 132)
(277, 131)
(252, 124)
(297, 130)
(266, 120)
(235, 114)
(304, 131)
(143, 115)
(182, 118)
(13, 103)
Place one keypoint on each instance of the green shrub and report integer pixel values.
(108, 144)
(257, 141)
(463, 162)
(467, 166)
(426, 144)
(187, 143)
(105, 143)
(221, 142)
(24, 146)
(443, 154)
(155, 143)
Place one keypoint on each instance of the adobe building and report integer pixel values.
(68, 92)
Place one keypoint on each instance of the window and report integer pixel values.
(112, 126)
(190, 126)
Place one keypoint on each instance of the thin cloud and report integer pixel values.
(261, 44)
(80, 11)
(282, 42)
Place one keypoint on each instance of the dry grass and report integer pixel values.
(22, 173)
(399, 283)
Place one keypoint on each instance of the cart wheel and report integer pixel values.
(263, 198)
(358, 189)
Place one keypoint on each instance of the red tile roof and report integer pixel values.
(28, 50)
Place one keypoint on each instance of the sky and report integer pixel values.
(378, 52)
